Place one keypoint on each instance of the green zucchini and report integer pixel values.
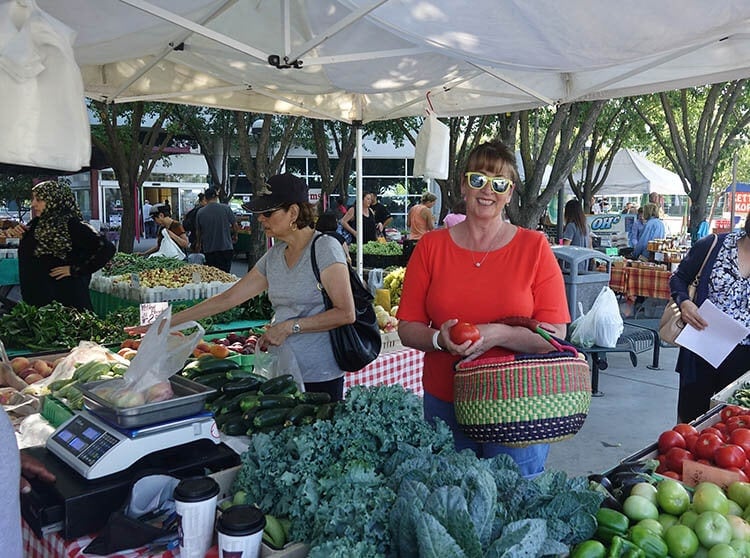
(242, 385)
(235, 427)
(278, 384)
(276, 401)
(198, 368)
(239, 373)
(216, 404)
(314, 397)
(215, 380)
(270, 417)
(250, 401)
(226, 417)
(299, 412)
(324, 411)
(233, 403)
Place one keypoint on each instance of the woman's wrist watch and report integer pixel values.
(296, 328)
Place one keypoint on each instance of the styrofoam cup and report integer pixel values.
(195, 502)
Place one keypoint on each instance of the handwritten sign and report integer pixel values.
(151, 310)
(694, 473)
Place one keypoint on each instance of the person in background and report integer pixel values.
(369, 226)
(15, 465)
(653, 228)
(500, 271)
(148, 221)
(163, 217)
(328, 223)
(576, 232)
(420, 219)
(167, 206)
(628, 208)
(725, 281)
(596, 206)
(456, 215)
(382, 215)
(301, 321)
(605, 206)
(636, 229)
(58, 252)
(217, 231)
(188, 223)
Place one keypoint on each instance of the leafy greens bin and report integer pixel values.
(377, 480)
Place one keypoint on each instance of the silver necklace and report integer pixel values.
(494, 240)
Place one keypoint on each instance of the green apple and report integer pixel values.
(739, 492)
(740, 528)
(672, 497)
(710, 497)
(712, 528)
(652, 525)
(637, 508)
(681, 540)
(645, 489)
(722, 550)
(688, 518)
(734, 508)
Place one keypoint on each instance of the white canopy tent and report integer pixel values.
(632, 174)
(367, 60)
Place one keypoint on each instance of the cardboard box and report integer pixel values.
(725, 394)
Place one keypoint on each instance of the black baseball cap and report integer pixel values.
(281, 189)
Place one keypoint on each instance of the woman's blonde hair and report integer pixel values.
(650, 210)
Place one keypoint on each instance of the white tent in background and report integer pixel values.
(632, 174)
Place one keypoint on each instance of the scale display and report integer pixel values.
(95, 449)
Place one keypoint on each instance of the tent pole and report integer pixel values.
(734, 192)
(358, 206)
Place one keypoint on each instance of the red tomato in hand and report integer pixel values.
(670, 439)
(729, 456)
(463, 332)
(706, 444)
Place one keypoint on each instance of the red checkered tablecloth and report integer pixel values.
(54, 546)
(399, 367)
(640, 281)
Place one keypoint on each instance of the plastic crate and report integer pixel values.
(55, 411)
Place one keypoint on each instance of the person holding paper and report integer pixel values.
(725, 281)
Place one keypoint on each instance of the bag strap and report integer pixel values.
(698, 276)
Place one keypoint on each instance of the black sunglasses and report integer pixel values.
(267, 214)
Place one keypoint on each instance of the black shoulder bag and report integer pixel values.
(354, 345)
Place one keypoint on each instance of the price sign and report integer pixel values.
(694, 473)
(152, 310)
(135, 280)
(196, 277)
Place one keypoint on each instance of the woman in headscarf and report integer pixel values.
(58, 251)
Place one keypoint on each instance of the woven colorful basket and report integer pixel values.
(520, 399)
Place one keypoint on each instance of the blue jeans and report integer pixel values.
(530, 459)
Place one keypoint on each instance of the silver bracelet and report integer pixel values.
(435, 341)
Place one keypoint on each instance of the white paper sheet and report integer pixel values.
(716, 341)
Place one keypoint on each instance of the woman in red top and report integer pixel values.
(481, 270)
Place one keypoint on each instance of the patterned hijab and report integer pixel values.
(51, 233)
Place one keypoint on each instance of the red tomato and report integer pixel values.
(690, 441)
(722, 428)
(730, 411)
(706, 444)
(729, 455)
(675, 457)
(670, 439)
(737, 421)
(685, 429)
(672, 475)
(741, 437)
(740, 473)
(712, 430)
(463, 332)
(704, 462)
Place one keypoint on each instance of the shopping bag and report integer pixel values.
(431, 152)
(602, 325)
(168, 248)
(161, 354)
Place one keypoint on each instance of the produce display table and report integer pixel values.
(53, 545)
(640, 281)
(399, 367)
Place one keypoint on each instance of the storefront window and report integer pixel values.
(112, 208)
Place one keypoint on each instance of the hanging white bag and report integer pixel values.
(431, 152)
(168, 248)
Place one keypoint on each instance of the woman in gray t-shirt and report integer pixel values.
(576, 232)
(300, 323)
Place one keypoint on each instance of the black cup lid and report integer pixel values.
(241, 520)
(196, 489)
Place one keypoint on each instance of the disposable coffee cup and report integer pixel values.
(195, 502)
(241, 532)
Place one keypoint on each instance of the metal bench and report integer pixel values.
(635, 339)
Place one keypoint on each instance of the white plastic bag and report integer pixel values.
(161, 354)
(375, 280)
(431, 152)
(168, 248)
(277, 361)
(602, 325)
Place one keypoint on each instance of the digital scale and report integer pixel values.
(96, 462)
(94, 448)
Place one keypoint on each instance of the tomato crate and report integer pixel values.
(726, 394)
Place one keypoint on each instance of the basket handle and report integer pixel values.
(534, 325)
